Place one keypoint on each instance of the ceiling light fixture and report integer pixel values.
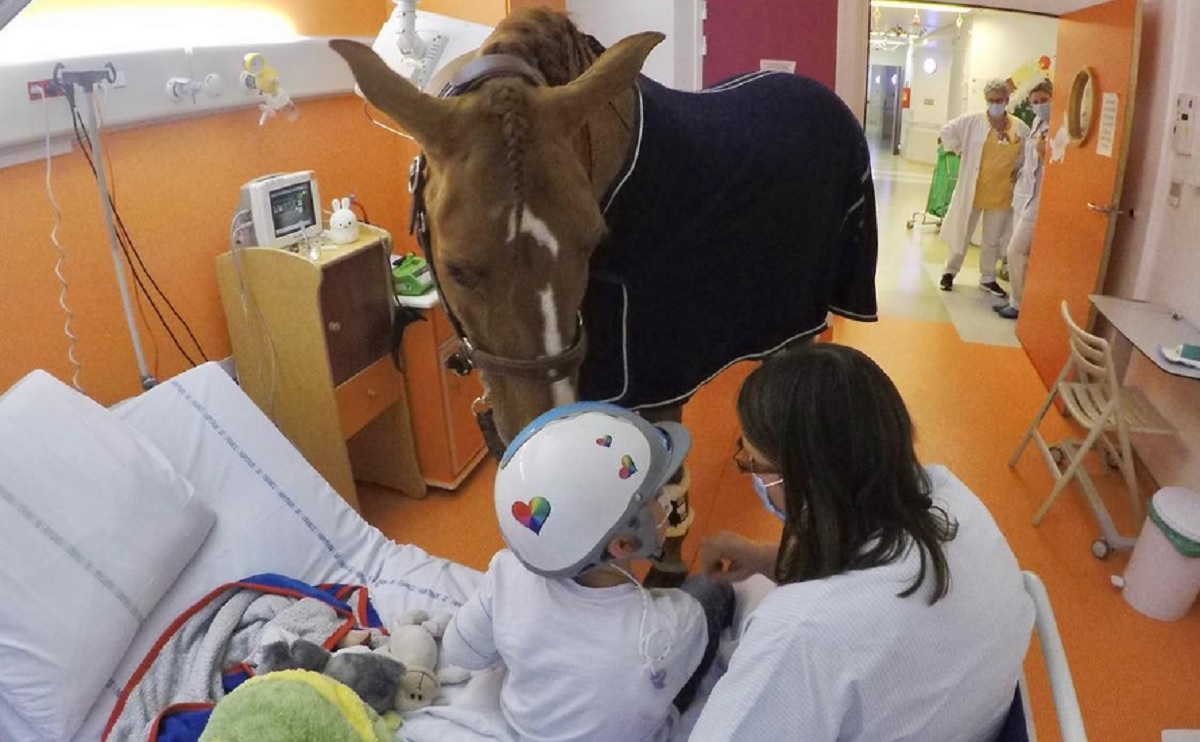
(936, 7)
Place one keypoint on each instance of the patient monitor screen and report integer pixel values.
(292, 208)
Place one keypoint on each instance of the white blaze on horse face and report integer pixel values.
(562, 390)
(535, 228)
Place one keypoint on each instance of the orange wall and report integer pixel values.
(487, 12)
(310, 17)
(176, 186)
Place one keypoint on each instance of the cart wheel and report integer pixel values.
(1101, 549)
(910, 224)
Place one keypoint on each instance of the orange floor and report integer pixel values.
(971, 403)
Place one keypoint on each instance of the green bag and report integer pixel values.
(945, 176)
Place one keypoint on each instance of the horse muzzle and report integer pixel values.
(549, 370)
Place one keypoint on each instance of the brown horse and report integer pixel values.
(597, 236)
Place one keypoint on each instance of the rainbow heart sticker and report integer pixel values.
(628, 469)
(532, 514)
(605, 441)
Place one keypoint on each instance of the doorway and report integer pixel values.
(944, 56)
(883, 106)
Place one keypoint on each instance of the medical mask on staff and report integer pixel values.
(996, 110)
(1041, 110)
(760, 488)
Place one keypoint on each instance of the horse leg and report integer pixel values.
(671, 570)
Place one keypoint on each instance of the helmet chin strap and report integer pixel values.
(652, 662)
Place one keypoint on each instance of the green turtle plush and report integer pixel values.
(296, 706)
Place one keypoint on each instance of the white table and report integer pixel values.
(427, 300)
(1149, 327)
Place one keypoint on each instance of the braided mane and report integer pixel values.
(548, 41)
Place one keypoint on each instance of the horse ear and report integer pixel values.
(614, 72)
(421, 115)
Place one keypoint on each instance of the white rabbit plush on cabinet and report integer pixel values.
(343, 224)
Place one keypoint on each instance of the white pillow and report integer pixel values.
(274, 514)
(95, 525)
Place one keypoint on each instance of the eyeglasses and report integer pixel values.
(746, 463)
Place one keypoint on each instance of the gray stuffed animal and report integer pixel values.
(375, 677)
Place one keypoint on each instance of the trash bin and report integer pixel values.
(1163, 576)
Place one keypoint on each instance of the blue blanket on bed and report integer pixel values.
(201, 656)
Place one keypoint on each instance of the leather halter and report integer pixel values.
(547, 369)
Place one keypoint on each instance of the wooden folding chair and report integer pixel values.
(1094, 397)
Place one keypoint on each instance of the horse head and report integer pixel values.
(511, 197)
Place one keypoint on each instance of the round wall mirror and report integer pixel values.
(1081, 106)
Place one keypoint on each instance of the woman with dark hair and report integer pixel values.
(900, 611)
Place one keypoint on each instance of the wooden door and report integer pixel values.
(1072, 238)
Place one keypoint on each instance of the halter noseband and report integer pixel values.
(547, 369)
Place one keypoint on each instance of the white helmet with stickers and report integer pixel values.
(579, 476)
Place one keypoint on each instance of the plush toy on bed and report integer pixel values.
(295, 706)
(375, 677)
(414, 643)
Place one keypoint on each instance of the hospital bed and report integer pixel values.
(274, 513)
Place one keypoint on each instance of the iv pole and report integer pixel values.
(88, 80)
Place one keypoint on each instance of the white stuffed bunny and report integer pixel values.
(343, 224)
(414, 643)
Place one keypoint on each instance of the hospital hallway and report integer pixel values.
(972, 392)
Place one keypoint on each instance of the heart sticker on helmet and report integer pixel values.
(628, 468)
(532, 514)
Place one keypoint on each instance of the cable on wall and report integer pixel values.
(72, 340)
(238, 225)
(132, 256)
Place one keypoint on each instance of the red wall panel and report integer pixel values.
(741, 32)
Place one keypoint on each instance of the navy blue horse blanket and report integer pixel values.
(744, 214)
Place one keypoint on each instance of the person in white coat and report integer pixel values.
(900, 611)
(1026, 194)
(990, 144)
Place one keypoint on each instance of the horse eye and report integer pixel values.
(464, 276)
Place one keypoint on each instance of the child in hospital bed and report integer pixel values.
(589, 653)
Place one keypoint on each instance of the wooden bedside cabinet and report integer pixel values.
(311, 343)
(448, 440)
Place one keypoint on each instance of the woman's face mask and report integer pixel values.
(1041, 110)
(744, 458)
(760, 488)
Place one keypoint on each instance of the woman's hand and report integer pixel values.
(731, 557)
